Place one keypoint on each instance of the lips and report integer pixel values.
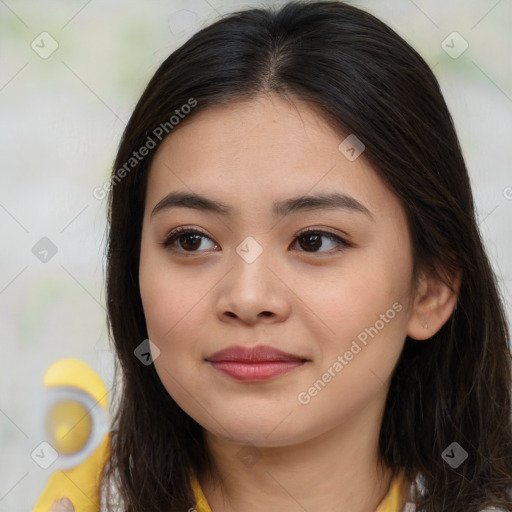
(258, 354)
(254, 364)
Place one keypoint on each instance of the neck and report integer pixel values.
(336, 471)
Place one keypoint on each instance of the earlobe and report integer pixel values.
(434, 303)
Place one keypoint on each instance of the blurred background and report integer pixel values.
(71, 72)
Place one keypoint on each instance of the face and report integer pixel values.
(326, 282)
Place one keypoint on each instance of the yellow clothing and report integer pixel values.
(392, 502)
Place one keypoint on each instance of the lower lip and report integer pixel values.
(256, 371)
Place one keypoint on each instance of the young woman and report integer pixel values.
(291, 224)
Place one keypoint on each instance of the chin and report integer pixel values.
(269, 433)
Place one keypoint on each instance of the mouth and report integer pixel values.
(255, 364)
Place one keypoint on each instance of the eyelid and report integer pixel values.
(344, 236)
(181, 230)
(343, 241)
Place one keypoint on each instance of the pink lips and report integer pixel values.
(254, 364)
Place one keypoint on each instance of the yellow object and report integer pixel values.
(75, 373)
(69, 425)
(396, 496)
(201, 503)
(392, 502)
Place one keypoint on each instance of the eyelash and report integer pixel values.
(176, 233)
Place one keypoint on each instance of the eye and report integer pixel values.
(189, 240)
(312, 240)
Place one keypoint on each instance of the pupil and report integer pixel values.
(193, 239)
(315, 241)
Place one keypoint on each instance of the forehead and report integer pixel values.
(241, 126)
(263, 149)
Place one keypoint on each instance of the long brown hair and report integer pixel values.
(365, 80)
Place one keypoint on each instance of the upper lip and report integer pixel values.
(253, 354)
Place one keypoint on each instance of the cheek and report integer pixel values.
(165, 301)
(364, 308)
(356, 296)
(170, 295)
(357, 354)
(170, 301)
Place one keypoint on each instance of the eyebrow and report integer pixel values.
(332, 201)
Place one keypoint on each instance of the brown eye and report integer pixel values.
(312, 241)
(190, 241)
(185, 240)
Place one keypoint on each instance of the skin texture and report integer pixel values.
(313, 304)
(63, 505)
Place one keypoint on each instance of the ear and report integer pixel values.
(433, 305)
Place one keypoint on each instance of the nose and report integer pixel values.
(253, 292)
